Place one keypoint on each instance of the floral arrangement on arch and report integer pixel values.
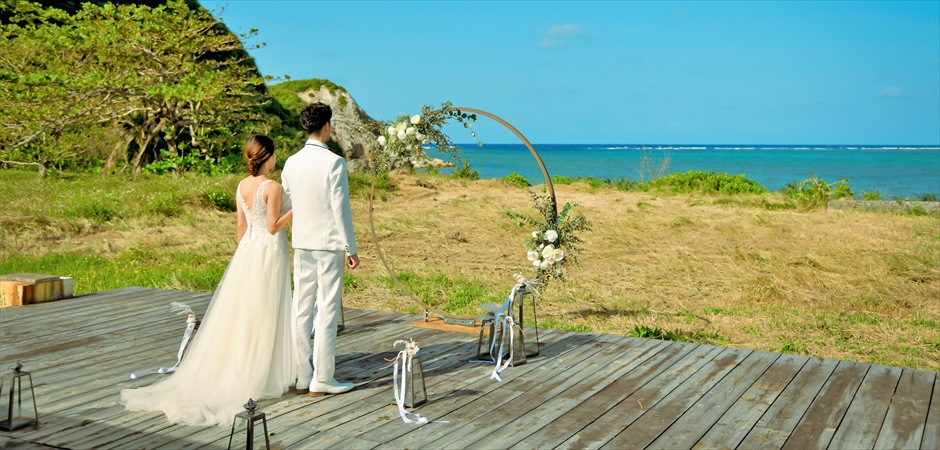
(401, 143)
(553, 243)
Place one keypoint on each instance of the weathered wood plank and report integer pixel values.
(166, 433)
(65, 306)
(584, 391)
(171, 434)
(552, 434)
(359, 368)
(822, 418)
(775, 426)
(634, 406)
(446, 387)
(907, 414)
(121, 318)
(931, 438)
(707, 410)
(737, 422)
(662, 416)
(554, 407)
(373, 397)
(470, 400)
(497, 426)
(516, 383)
(865, 417)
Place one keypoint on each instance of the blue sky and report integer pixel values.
(862, 73)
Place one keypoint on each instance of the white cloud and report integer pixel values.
(891, 91)
(560, 35)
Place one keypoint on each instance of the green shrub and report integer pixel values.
(166, 205)
(624, 184)
(94, 210)
(928, 197)
(706, 183)
(516, 180)
(871, 196)
(561, 179)
(814, 192)
(463, 170)
(220, 199)
(360, 185)
(653, 332)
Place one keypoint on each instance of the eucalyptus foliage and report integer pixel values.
(165, 77)
(401, 143)
(562, 227)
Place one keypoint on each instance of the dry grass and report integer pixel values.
(856, 286)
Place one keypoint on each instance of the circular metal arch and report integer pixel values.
(457, 319)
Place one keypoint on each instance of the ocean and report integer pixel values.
(892, 171)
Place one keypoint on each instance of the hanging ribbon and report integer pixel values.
(528, 284)
(404, 357)
(507, 324)
(192, 324)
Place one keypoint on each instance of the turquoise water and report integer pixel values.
(892, 171)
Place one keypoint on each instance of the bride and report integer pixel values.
(243, 347)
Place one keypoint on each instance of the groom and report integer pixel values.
(324, 242)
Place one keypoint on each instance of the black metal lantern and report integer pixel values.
(492, 334)
(531, 333)
(415, 391)
(14, 418)
(250, 416)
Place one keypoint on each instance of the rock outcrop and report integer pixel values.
(350, 122)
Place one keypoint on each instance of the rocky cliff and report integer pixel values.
(350, 122)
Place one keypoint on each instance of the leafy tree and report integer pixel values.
(164, 77)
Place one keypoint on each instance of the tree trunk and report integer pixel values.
(148, 138)
(119, 149)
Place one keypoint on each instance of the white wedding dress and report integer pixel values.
(242, 348)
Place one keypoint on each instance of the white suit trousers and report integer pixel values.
(318, 294)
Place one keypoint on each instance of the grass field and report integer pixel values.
(722, 269)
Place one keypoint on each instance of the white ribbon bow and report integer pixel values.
(404, 356)
(192, 323)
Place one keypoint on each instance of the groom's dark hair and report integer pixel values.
(314, 116)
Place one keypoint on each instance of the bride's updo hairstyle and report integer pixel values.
(258, 149)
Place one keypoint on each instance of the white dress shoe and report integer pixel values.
(330, 387)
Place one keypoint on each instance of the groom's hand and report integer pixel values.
(352, 261)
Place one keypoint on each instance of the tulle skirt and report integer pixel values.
(242, 348)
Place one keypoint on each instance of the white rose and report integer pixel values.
(419, 136)
(533, 255)
(382, 141)
(548, 251)
(400, 126)
(551, 235)
(391, 130)
(410, 130)
(545, 265)
(535, 235)
(558, 255)
(536, 263)
(416, 119)
(401, 134)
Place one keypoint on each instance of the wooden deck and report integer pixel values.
(584, 391)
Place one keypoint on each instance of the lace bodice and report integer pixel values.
(257, 214)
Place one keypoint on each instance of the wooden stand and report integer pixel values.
(18, 289)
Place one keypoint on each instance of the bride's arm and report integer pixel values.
(242, 222)
(275, 223)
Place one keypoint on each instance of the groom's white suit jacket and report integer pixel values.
(315, 180)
